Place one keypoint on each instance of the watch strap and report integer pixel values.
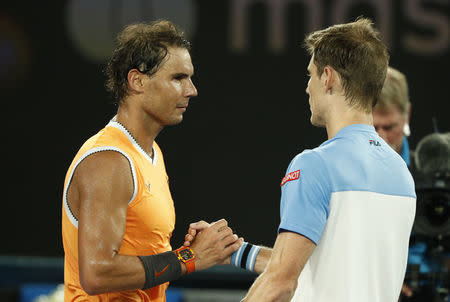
(190, 263)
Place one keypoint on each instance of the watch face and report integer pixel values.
(186, 254)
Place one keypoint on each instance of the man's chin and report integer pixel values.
(316, 122)
(175, 121)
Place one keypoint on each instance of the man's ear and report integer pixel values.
(328, 78)
(408, 113)
(406, 129)
(135, 80)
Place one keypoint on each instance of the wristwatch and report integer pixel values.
(187, 256)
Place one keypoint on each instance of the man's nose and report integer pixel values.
(191, 90)
(307, 86)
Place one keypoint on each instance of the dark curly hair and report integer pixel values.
(142, 46)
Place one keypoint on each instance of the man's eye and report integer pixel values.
(179, 77)
(389, 127)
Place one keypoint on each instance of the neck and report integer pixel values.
(341, 115)
(139, 125)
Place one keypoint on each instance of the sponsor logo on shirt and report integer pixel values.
(291, 176)
(374, 142)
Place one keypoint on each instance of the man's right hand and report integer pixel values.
(194, 228)
(212, 243)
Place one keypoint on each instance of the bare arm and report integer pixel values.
(103, 185)
(279, 280)
(262, 259)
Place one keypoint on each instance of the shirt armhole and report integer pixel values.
(68, 211)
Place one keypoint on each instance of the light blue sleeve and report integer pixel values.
(305, 200)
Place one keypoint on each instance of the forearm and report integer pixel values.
(119, 272)
(122, 272)
(262, 259)
(270, 287)
(279, 279)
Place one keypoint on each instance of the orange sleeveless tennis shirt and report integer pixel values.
(150, 215)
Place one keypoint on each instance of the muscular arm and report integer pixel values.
(104, 186)
(101, 188)
(279, 280)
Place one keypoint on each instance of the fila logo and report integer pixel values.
(375, 143)
(291, 176)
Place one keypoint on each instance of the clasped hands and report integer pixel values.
(212, 243)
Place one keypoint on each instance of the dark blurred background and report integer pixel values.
(250, 119)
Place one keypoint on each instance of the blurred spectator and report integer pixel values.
(391, 117)
(392, 112)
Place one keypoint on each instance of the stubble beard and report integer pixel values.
(317, 120)
(175, 121)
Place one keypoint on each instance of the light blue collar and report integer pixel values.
(349, 130)
(405, 151)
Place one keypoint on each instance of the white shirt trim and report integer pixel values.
(90, 152)
(119, 126)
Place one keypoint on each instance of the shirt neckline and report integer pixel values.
(351, 128)
(117, 125)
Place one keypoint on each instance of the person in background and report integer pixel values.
(392, 113)
(391, 117)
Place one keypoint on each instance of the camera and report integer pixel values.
(431, 229)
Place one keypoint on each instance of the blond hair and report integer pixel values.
(394, 92)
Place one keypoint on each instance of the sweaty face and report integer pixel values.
(315, 92)
(389, 126)
(169, 89)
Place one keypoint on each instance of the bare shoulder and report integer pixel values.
(102, 176)
(105, 169)
(104, 163)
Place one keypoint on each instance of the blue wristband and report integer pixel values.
(245, 256)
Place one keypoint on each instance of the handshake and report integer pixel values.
(212, 243)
